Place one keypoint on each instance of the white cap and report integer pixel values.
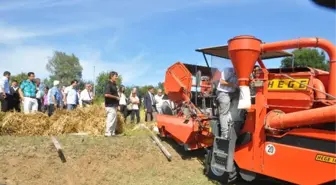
(56, 82)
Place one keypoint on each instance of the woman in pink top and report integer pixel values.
(45, 100)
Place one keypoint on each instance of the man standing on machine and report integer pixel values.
(230, 118)
(227, 91)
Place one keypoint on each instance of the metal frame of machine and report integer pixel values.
(288, 134)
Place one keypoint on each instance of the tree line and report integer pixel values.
(65, 68)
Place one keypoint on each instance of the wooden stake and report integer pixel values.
(58, 148)
(158, 142)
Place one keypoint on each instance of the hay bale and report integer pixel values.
(20, 124)
(91, 120)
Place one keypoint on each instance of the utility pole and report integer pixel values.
(94, 80)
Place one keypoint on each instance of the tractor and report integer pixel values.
(284, 130)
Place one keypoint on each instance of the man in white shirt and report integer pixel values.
(86, 96)
(158, 101)
(71, 95)
(226, 91)
(227, 99)
(5, 92)
(39, 93)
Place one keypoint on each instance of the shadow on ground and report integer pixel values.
(200, 156)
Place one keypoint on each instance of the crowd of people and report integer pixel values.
(33, 96)
(116, 100)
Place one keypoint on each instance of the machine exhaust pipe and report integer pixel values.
(320, 90)
(310, 42)
(277, 119)
(245, 50)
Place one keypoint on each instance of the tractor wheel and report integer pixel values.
(214, 174)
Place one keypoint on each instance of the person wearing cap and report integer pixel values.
(54, 98)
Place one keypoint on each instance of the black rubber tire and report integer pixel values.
(226, 178)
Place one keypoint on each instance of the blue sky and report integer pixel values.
(141, 38)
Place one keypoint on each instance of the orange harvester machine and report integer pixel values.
(291, 124)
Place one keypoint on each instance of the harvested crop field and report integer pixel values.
(97, 160)
(28, 156)
(94, 160)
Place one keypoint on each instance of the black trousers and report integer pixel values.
(137, 114)
(16, 105)
(45, 108)
(124, 111)
(39, 103)
(51, 109)
(6, 103)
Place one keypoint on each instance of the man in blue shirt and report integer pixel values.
(5, 98)
(28, 94)
(54, 98)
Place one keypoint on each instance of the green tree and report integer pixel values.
(64, 68)
(307, 58)
(160, 86)
(82, 83)
(48, 82)
(19, 77)
(128, 91)
(143, 90)
(101, 81)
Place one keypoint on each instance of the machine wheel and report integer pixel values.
(225, 178)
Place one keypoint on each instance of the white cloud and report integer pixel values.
(25, 59)
(20, 56)
(34, 58)
(131, 69)
(36, 4)
(9, 33)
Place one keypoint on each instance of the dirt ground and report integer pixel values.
(132, 159)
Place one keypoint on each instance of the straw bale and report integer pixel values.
(90, 120)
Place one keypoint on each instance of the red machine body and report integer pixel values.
(292, 122)
(193, 132)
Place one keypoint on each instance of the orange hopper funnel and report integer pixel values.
(244, 51)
